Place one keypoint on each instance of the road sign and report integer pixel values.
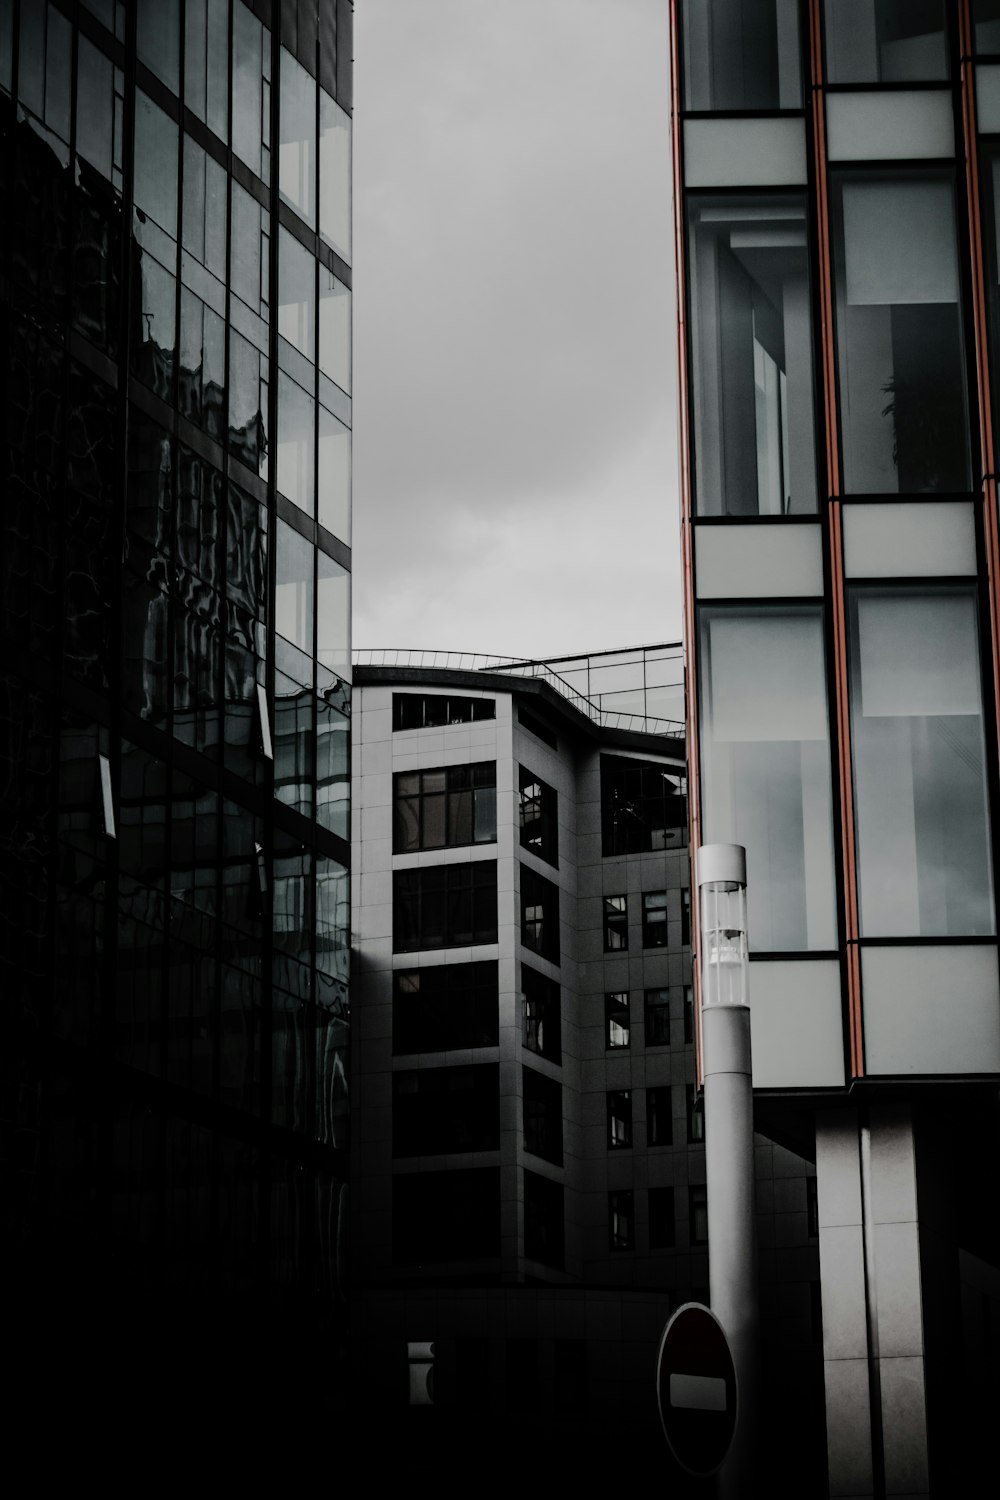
(696, 1389)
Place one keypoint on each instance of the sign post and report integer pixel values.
(696, 1389)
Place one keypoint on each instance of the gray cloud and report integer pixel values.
(515, 451)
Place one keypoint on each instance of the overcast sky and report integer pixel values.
(515, 449)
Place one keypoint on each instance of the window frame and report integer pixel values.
(476, 776)
(615, 923)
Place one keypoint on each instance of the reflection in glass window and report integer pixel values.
(158, 39)
(155, 186)
(293, 594)
(619, 1118)
(741, 55)
(335, 329)
(249, 241)
(656, 1005)
(986, 18)
(617, 1031)
(541, 1014)
(334, 480)
(296, 294)
(297, 149)
(333, 769)
(766, 766)
(885, 41)
(751, 357)
(444, 808)
(44, 80)
(206, 63)
(539, 915)
(615, 924)
(251, 91)
(901, 363)
(293, 742)
(95, 98)
(538, 817)
(921, 801)
(296, 443)
(335, 175)
(333, 607)
(621, 1219)
(654, 919)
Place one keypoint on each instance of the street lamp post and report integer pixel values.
(725, 1039)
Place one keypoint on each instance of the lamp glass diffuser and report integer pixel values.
(725, 958)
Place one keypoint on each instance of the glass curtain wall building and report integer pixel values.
(835, 178)
(176, 275)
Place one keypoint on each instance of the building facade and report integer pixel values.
(835, 190)
(528, 1161)
(175, 255)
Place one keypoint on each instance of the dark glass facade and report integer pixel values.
(174, 732)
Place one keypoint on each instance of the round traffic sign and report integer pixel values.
(696, 1389)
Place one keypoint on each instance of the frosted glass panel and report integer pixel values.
(758, 562)
(885, 41)
(931, 1010)
(988, 98)
(796, 1024)
(898, 540)
(867, 127)
(879, 217)
(920, 788)
(766, 766)
(744, 153)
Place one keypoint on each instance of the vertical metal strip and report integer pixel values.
(687, 535)
(983, 385)
(834, 515)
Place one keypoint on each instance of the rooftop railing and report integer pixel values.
(474, 661)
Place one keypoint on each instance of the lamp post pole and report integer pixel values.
(729, 1166)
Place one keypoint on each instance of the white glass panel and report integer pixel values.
(767, 679)
(931, 1010)
(988, 99)
(796, 1024)
(334, 329)
(744, 153)
(881, 217)
(763, 562)
(297, 151)
(903, 540)
(296, 294)
(335, 175)
(874, 127)
(918, 656)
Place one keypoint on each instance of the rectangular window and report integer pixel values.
(444, 906)
(766, 766)
(446, 808)
(434, 711)
(689, 1013)
(741, 55)
(621, 1220)
(659, 1122)
(541, 1014)
(698, 1214)
(695, 1116)
(919, 760)
(450, 1215)
(885, 41)
(615, 924)
(445, 1007)
(297, 147)
(903, 410)
(616, 1020)
(542, 1103)
(642, 807)
(656, 1005)
(619, 1119)
(752, 356)
(544, 1232)
(662, 1233)
(539, 828)
(539, 915)
(437, 1111)
(654, 919)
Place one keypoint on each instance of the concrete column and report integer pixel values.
(872, 1318)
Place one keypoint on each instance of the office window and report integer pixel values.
(447, 1006)
(656, 1006)
(539, 915)
(654, 919)
(620, 1119)
(919, 760)
(642, 807)
(621, 1220)
(445, 808)
(444, 906)
(445, 1110)
(766, 766)
(741, 55)
(539, 829)
(615, 924)
(544, 1229)
(206, 63)
(335, 175)
(662, 1231)
(751, 353)
(297, 147)
(688, 1013)
(659, 1123)
(448, 1215)
(686, 917)
(434, 711)
(695, 1115)
(698, 1214)
(542, 1104)
(901, 359)
(616, 1020)
(541, 1014)
(885, 41)
(251, 91)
